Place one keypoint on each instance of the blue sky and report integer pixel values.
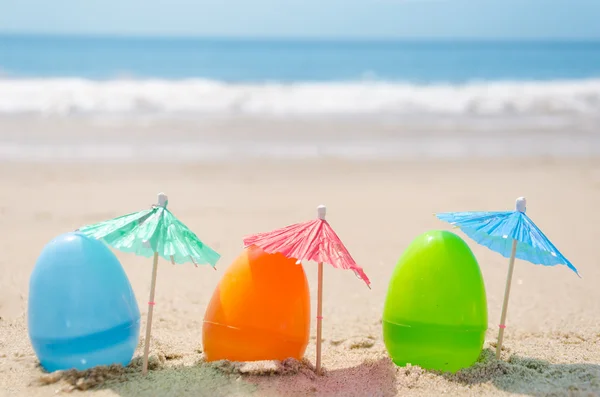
(508, 19)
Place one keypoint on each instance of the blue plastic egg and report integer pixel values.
(82, 311)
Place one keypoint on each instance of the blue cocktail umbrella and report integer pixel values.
(513, 235)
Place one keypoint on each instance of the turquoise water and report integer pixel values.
(420, 89)
(67, 75)
(239, 60)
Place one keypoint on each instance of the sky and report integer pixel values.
(481, 19)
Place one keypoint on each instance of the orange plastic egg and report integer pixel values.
(260, 310)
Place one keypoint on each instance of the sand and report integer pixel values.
(552, 343)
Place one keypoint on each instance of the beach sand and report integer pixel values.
(552, 343)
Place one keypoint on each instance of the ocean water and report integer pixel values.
(196, 77)
(370, 99)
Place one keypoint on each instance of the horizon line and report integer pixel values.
(284, 37)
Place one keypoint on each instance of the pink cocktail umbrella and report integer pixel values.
(310, 241)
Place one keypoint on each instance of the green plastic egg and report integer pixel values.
(435, 313)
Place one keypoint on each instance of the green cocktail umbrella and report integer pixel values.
(153, 232)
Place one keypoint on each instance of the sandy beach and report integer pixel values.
(552, 343)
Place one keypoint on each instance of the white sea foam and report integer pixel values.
(73, 96)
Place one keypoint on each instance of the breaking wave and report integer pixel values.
(74, 96)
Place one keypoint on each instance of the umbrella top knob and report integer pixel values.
(521, 204)
(321, 212)
(162, 200)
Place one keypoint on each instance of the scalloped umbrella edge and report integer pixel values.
(152, 233)
(513, 235)
(311, 241)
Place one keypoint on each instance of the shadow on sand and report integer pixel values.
(373, 378)
(528, 376)
(195, 380)
(376, 378)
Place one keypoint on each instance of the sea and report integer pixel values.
(414, 84)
